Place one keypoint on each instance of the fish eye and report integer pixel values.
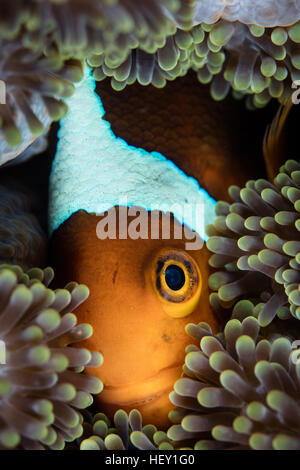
(177, 281)
(175, 277)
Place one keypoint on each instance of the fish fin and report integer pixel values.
(274, 143)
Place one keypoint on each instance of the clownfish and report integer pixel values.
(117, 224)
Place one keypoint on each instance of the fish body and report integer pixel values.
(143, 289)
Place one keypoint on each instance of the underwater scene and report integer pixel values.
(149, 225)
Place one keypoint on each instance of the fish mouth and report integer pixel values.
(136, 394)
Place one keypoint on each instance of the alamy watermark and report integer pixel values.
(295, 355)
(2, 92)
(2, 352)
(296, 93)
(169, 222)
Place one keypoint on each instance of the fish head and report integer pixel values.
(143, 292)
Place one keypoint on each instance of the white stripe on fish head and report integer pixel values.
(94, 170)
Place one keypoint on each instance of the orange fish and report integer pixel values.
(144, 289)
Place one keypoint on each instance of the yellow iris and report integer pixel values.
(177, 281)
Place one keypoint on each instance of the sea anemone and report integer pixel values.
(250, 59)
(41, 385)
(38, 146)
(253, 49)
(76, 27)
(150, 66)
(32, 85)
(256, 245)
(23, 241)
(239, 390)
(126, 432)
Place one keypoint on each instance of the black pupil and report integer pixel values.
(175, 277)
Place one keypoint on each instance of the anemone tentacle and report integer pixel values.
(256, 62)
(256, 244)
(125, 433)
(41, 385)
(34, 85)
(239, 389)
